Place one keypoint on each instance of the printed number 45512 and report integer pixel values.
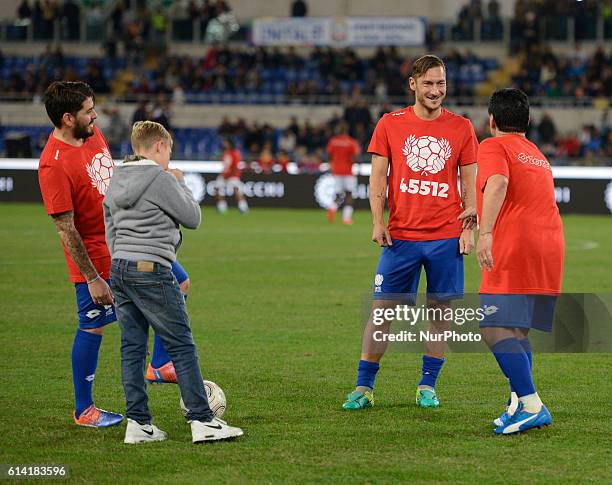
(424, 187)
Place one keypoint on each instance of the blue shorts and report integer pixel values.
(90, 314)
(520, 311)
(96, 316)
(399, 270)
(179, 272)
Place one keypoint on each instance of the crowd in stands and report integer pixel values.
(133, 23)
(324, 75)
(576, 74)
(534, 20)
(244, 70)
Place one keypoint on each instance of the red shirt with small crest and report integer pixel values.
(424, 157)
(342, 149)
(75, 179)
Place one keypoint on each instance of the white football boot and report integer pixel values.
(142, 433)
(213, 430)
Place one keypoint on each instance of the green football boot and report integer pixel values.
(359, 400)
(426, 398)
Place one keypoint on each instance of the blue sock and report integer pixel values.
(527, 348)
(160, 356)
(366, 373)
(84, 363)
(514, 363)
(430, 370)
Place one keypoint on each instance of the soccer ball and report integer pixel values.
(216, 399)
(426, 154)
(100, 170)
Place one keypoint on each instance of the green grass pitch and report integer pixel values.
(275, 305)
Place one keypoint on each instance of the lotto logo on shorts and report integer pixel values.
(378, 280)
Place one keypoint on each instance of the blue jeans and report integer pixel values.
(152, 296)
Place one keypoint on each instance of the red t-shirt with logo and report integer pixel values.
(75, 179)
(424, 157)
(528, 244)
(231, 159)
(342, 149)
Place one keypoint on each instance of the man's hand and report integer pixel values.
(466, 241)
(100, 292)
(468, 216)
(483, 251)
(381, 236)
(178, 175)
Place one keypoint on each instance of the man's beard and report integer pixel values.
(83, 131)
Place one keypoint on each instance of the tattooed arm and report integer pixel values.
(468, 195)
(98, 289)
(468, 199)
(378, 196)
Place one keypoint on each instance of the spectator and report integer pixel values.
(266, 160)
(72, 16)
(116, 17)
(49, 9)
(141, 113)
(115, 131)
(24, 11)
(282, 161)
(159, 26)
(287, 141)
(493, 10)
(299, 8)
(161, 114)
(547, 131)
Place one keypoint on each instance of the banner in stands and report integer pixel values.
(292, 31)
(340, 31)
(582, 190)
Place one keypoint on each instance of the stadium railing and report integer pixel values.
(549, 28)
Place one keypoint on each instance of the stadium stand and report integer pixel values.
(143, 63)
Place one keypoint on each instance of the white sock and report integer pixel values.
(514, 402)
(222, 206)
(531, 403)
(347, 213)
(243, 206)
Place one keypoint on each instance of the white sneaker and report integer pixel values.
(142, 433)
(214, 430)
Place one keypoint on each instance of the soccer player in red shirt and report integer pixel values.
(229, 179)
(422, 148)
(74, 170)
(521, 270)
(342, 149)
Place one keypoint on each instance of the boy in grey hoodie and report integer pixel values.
(145, 204)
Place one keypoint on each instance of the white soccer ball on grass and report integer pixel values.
(216, 399)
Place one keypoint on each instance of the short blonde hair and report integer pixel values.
(146, 133)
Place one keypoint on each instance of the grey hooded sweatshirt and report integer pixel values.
(143, 208)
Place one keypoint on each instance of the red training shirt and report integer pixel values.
(424, 157)
(231, 159)
(528, 245)
(75, 179)
(342, 149)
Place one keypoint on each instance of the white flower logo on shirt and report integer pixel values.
(426, 154)
(100, 170)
